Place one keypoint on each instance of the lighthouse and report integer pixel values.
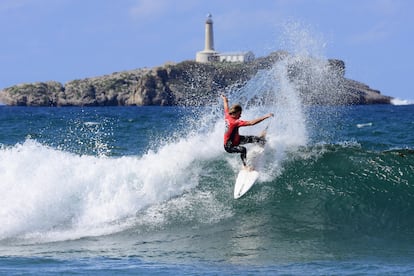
(208, 54)
(209, 37)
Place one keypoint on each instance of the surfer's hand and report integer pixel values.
(269, 115)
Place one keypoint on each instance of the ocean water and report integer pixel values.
(149, 190)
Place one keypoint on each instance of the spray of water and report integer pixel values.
(50, 194)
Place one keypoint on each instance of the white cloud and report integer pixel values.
(379, 32)
(30, 7)
(8, 5)
(149, 8)
(385, 16)
(244, 19)
(387, 7)
(161, 9)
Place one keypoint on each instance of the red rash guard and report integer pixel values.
(232, 129)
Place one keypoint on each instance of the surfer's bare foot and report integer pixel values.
(248, 168)
(263, 134)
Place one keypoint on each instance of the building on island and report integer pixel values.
(237, 56)
(211, 55)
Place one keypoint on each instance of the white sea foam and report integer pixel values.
(52, 195)
(364, 125)
(397, 101)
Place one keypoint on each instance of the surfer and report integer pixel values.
(232, 139)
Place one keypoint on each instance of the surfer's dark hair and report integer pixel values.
(235, 108)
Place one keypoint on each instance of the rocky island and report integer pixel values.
(190, 83)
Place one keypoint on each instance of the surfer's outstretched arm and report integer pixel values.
(225, 102)
(258, 120)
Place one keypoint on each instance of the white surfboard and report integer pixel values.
(245, 180)
(248, 176)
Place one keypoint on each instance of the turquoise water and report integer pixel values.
(148, 190)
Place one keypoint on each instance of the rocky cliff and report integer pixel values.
(190, 83)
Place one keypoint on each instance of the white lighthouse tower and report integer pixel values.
(208, 54)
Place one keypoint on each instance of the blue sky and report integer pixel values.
(63, 40)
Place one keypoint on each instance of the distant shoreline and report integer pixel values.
(189, 83)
